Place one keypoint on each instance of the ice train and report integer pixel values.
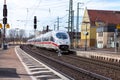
(57, 40)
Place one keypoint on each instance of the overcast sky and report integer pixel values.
(22, 12)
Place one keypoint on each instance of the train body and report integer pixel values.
(57, 40)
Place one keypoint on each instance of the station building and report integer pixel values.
(98, 28)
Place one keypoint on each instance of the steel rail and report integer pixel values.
(88, 73)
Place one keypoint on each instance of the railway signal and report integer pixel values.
(47, 29)
(5, 10)
(4, 20)
(35, 26)
(35, 22)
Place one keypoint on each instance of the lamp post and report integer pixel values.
(4, 22)
(115, 40)
(86, 33)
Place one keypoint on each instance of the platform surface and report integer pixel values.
(10, 66)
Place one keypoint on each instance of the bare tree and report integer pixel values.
(12, 35)
(21, 35)
(16, 35)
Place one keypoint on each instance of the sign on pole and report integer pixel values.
(7, 26)
(0, 26)
(118, 26)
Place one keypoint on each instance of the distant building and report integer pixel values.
(88, 31)
(100, 26)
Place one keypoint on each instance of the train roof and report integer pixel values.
(47, 33)
(59, 31)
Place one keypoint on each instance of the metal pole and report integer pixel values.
(72, 27)
(86, 39)
(70, 19)
(58, 23)
(54, 27)
(69, 16)
(4, 36)
(4, 1)
(4, 22)
(77, 24)
(86, 33)
(115, 40)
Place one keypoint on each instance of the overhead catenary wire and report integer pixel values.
(37, 7)
(49, 7)
(29, 17)
(61, 20)
(54, 4)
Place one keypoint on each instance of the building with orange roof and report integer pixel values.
(98, 28)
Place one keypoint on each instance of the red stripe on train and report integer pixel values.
(54, 44)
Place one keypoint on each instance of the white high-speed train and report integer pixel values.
(57, 40)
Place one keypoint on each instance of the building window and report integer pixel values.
(100, 42)
(100, 34)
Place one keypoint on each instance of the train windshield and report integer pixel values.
(61, 35)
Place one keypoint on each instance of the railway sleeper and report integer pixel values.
(105, 59)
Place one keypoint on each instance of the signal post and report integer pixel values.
(4, 22)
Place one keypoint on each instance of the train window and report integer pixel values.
(39, 39)
(61, 36)
(47, 38)
(43, 39)
(51, 39)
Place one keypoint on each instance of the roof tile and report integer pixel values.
(108, 17)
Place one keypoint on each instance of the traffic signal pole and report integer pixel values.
(4, 22)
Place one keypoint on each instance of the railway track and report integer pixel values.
(106, 64)
(59, 63)
(96, 66)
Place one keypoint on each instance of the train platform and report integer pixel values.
(101, 54)
(11, 67)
